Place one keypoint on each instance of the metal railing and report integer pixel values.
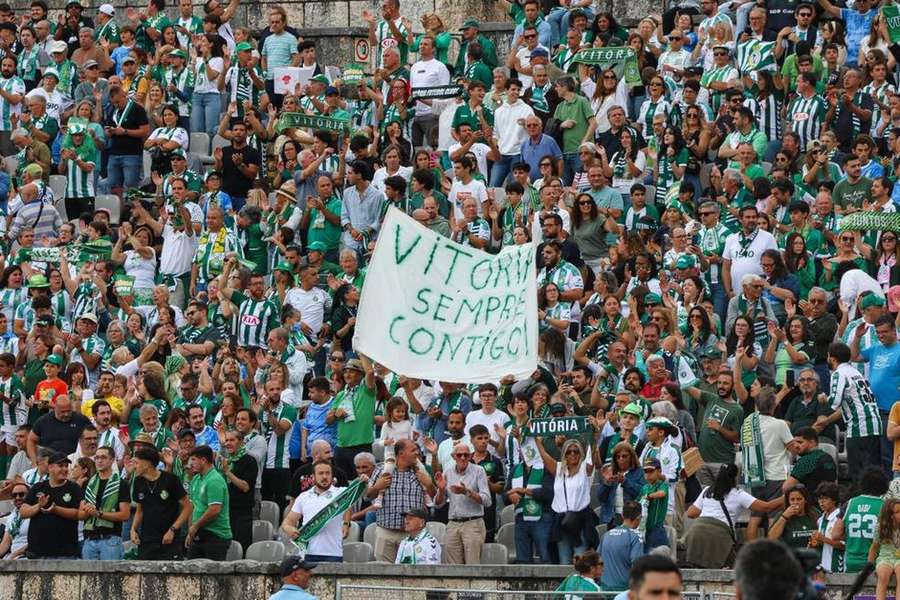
(370, 592)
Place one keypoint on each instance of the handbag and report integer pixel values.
(571, 519)
(554, 130)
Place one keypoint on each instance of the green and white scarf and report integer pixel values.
(108, 503)
(338, 506)
(752, 452)
(526, 476)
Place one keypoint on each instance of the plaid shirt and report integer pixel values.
(404, 493)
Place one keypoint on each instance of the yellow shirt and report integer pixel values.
(116, 404)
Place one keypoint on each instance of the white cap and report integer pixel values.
(107, 9)
(59, 46)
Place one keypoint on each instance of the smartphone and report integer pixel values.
(790, 378)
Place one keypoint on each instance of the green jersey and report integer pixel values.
(206, 490)
(10, 85)
(159, 21)
(28, 64)
(13, 411)
(655, 509)
(109, 31)
(356, 428)
(860, 529)
(385, 38)
(80, 180)
(577, 583)
(183, 81)
(277, 456)
(712, 243)
(256, 318)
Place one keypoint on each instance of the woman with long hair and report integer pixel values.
(671, 164)
(796, 523)
(832, 32)
(343, 316)
(166, 140)
(781, 287)
(790, 350)
(548, 169)
(12, 292)
(393, 159)
(624, 470)
(741, 344)
(206, 102)
(800, 263)
(627, 165)
(699, 334)
(605, 93)
(885, 258)
(588, 230)
(710, 540)
(154, 104)
(655, 103)
(552, 312)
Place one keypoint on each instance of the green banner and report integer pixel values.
(354, 73)
(338, 505)
(891, 14)
(440, 91)
(618, 57)
(871, 221)
(567, 426)
(300, 120)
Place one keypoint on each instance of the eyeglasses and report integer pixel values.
(462, 455)
(530, 36)
(846, 239)
(757, 286)
(336, 358)
(888, 238)
(707, 213)
(816, 301)
(609, 77)
(585, 202)
(807, 379)
(19, 495)
(720, 54)
(767, 265)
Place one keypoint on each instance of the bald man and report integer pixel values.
(303, 478)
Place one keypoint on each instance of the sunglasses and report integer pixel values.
(336, 358)
(573, 451)
(888, 238)
(720, 54)
(846, 239)
(585, 203)
(609, 77)
(19, 495)
(545, 165)
(462, 455)
(707, 213)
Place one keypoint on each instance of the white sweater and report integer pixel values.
(507, 130)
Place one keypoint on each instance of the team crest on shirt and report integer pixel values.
(67, 497)
(164, 494)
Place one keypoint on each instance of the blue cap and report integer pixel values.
(538, 52)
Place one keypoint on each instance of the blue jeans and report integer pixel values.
(887, 448)
(634, 109)
(565, 549)
(205, 114)
(500, 170)
(106, 548)
(655, 537)
(531, 535)
(124, 170)
(571, 165)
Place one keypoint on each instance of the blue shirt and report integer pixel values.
(292, 592)
(314, 423)
(533, 153)
(856, 25)
(545, 34)
(884, 373)
(207, 437)
(619, 549)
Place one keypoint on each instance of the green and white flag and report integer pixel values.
(686, 367)
(621, 58)
(753, 469)
(300, 120)
(434, 309)
(338, 506)
(566, 426)
(891, 14)
(871, 221)
(754, 55)
(439, 91)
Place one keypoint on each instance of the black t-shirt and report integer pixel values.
(244, 469)
(61, 436)
(124, 496)
(126, 144)
(160, 502)
(233, 181)
(303, 479)
(51, 535)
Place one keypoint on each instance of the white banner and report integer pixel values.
(434, 309)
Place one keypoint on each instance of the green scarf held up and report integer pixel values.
(338, 506)
(108, 503)
(752, 452)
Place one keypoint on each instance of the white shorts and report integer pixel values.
(9, 434)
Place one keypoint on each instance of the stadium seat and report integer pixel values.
(494, 554)
(235, 551)
(358, 552)
(111, 203)
(508, 515)
(58, 185)
(199, 143)
(438, 530)
(369, 534)
(353, 534)
(268, 551)
(601, 530)
(831, 450)
(269, 511)
(219, 142)
(673, 541)
(263, 531)
(506, 536)
(378, 452)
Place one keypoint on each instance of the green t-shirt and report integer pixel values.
(577, 109)
(860, 529)
(321, 229)
(798, 530)
(360, 430)
(713, 447)
(465, 114)
(655, 512)
(211, 489)
(852, 194)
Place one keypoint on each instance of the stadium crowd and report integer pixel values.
(184, 252)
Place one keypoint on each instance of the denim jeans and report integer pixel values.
(720, 300)
(655, 537)
(105, 548)
(124, 170)
(500, 170)
(571, 165)
(565, 549)
(205, 114)
(531, 535)
(560, 20)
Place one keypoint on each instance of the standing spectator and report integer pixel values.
(468, 495)
(861, 518)
(511, 135)
(303, 477)
(428, 71)
(571, 494)
(389, 32)
(277, 418)
(419, 547)
(209, 535)
(52, 507)
(577, 121)
(239, 164)
(361, 208)
(814, 465)
(620, 548)
(403, 491)
(325, 545)
(126, 129)
(354, 412)
(106, 505)
(58, 430)
(240, 470)
(12, 92)
(655, 493)
(279, 49)
(743, 249)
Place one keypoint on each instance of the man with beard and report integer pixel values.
(441, 454)
(552, 229)
(326, 545)
(304, 478)
(15, 535)
(719, 428)
(12, 90)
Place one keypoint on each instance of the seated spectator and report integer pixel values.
(797, 521)
(419, 547)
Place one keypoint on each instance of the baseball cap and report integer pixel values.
(142, 438)
(284, 266)
(90, 63)
(870, 301)
(319, 79)
(51, 72)
(416, 512)
(332, 91)
(58, 46)
(355, 364)
(317, 246)
(243, 47)
(292, 563)
(470, 23)
(89, 317)
(38, 280)
(652, 298)
(633, 409)
(539, 52)
(129, 59)
(59, 458)
(107, 9)
(652, 463)
(684, 262)
(661, 422)
(179, 53)
(711, 352)
(54, 359)
(76, 128)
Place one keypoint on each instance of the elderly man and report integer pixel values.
(88, 50)
(295, 575)
(850, 111)
(465, 486)
(805, 409)
(751, 304)
(538, 146)
(419, 547)
(34, 151)
(403, 491)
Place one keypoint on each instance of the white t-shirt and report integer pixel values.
(509, 133)
(177, 252)
(737, 502)
(776, 436)
(311, 304)
(142, 269)
(478, 417)
(176, 134)
(577, 488)
(202, 83)
(382, 174)
(459, 191)
(56, 102)
(480, 151)
(329, 540)
(746, 260)
(523, 59)
(427, 73)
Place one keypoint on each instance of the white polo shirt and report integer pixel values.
(329, 540)
(427, 73)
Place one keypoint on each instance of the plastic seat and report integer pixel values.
(199, 143)
(58, 185)
(263, 531)
(494, 554)
(506, 536)
(438, 530)
(508, 515)
(219, 142)
(268, 551)
(673, 541)
(235, 551)
(369, 534)
(269, 511)
(11, 163)
(358, 552)
(111, 203)
(353, 534)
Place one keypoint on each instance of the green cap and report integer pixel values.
(243, 47)
(633, 409)
(711, 353)
(76, 128)
(652, 298)
(51, 72)
(178, 152)
(34, 169)
(319, 79)
(284, 266)
(54, 359)
(317, 247)
(662, 423)
(684, 262)
(470, 23)
(179, 53)
(38, 281)
(871, 300)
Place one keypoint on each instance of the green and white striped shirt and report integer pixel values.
(11, 85)
(850, 392)
(13, 411)
(880, 94)
(28, 63)
(278, 455)
(384, 37)
(79, 182)
(565, 275)
(85, 299)
(806, 117)
(718, 74)
(184, 83)
(255, 319)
